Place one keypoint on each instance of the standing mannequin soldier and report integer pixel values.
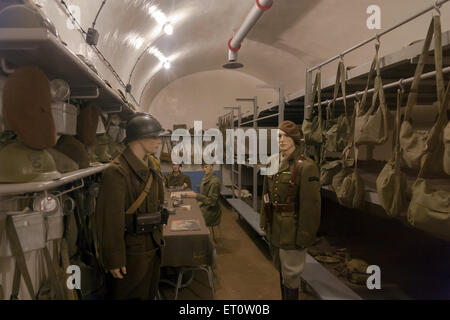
(290, 213)
(131, 259)
(177, 178)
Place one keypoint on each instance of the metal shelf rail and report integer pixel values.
(377, 37)
(21, 188)
(37, 46)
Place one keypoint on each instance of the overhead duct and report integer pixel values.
(234, 44)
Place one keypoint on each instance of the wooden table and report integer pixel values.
(186, 248)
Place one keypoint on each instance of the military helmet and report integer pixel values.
(143, 126)
(21, 164)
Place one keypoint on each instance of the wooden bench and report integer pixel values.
(325, 284)
(248, 213)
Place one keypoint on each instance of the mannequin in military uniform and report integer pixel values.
(209, 196)
(177, 178)
(290, 213)
(132, 260)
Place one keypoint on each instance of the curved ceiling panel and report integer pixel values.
(288, 38)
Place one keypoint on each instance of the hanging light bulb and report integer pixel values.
(168, 28)
(166, 65)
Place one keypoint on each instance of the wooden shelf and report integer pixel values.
(37, 46)
(15, 189)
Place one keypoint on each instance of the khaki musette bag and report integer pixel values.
(413, 142)
(312, 128)
(391, 182)
(371, 126)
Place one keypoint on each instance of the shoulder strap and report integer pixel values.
(317, 91)
(414, 92)
(292, 181)
(21, 265)
(362, 103)
(52, 274)
(340, 79)
(141, 197)
(396, 144)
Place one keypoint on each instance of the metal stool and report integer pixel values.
(204, 268)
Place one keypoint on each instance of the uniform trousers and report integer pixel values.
(290, 263)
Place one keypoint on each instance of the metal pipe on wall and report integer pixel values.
(234, 44)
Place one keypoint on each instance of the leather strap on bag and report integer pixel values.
(396, 144)
(292, 181)
(372, 70)
(21, 268)
(52, 275)
(141, 197)
(435, 28)
(340, 80)
(65, 262)
(317, 90)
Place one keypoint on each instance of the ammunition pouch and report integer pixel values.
(146, 222)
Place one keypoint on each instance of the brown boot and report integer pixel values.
(291, 294)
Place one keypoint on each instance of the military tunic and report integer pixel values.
(209, 200)
(123, 181)
(296, 229)
(179, 180)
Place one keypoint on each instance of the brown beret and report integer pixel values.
(291, 129)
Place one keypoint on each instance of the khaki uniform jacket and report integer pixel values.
(293, 230)
(123, 181)
(170, 180)
(209, 200)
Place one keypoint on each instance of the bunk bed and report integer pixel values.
(397, 70)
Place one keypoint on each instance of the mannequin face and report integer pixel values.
(150, 145)
(285, 142)
(207, 169)
(175, 168)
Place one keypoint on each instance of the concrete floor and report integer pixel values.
(244, 270)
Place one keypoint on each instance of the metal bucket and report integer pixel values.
(65, 117)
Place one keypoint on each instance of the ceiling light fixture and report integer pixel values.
(161, 19)
(168, 29)
(164, 60)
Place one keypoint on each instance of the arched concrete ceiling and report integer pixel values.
(292, 35)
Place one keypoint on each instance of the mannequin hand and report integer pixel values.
(190, 194)
(116, 273)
